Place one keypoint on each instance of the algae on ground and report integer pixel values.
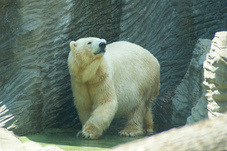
(67, 140)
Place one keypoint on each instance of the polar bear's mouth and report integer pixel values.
(102, 47)
(101, 51)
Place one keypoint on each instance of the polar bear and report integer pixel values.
(111, 81)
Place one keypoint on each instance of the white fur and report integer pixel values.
(121, 82)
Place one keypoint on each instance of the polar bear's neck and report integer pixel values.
(87, 68)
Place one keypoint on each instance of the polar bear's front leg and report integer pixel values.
(100, 120)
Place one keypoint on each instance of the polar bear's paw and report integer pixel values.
(149, 131)
(89, 132)
(131, 132)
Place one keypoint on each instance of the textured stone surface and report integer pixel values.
(199, 111)
(215, 76)
(35, 88)
(213, 101)
(207, 135)
(189, 90)
(10, 142)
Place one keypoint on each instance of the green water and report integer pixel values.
(67, 140)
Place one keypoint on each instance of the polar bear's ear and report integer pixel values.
(72, 45)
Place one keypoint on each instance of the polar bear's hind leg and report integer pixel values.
(135, 120)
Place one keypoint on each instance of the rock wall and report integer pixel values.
(213, 102)
(35, 90)
(189, 90)
(215, 76)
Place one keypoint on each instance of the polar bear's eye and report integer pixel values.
(89, 43)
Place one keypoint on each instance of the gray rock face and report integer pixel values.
(213, 101)
(199, 111)
(35, 90)
(215, 76)
(35, 87)
(189, 90)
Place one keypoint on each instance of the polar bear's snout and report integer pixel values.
(102, 47)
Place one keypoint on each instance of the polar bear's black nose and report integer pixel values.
(102, 45)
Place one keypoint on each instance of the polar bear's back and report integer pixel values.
(131, 51)
(126, 56)
(135, 72)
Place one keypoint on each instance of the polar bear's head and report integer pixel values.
(85, 57)
(90, 45)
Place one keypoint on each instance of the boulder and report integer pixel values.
(10, 142)
(213, 101)
(215, 76)
(206, 135)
